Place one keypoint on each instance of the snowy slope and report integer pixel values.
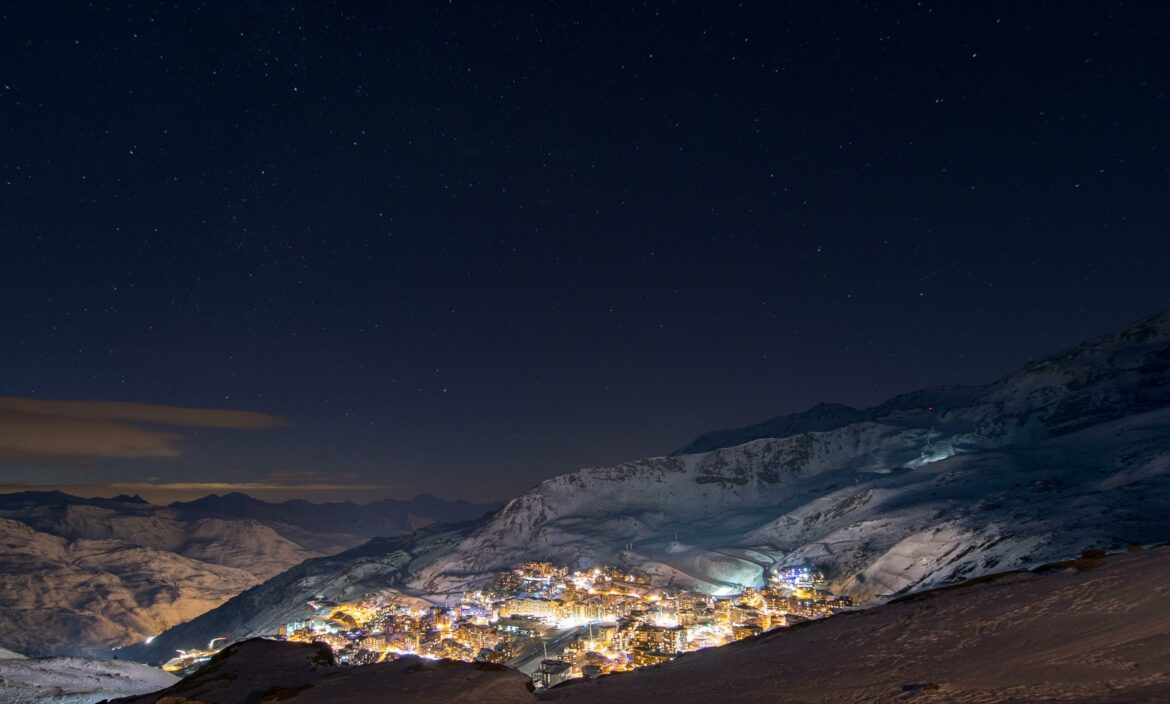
(931, 487)
(76, 680)
(1104, 379)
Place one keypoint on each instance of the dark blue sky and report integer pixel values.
(461, 248)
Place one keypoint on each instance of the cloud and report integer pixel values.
(33, 428)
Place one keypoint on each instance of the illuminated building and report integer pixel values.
(656, 639)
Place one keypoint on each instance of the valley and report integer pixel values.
(553, 623)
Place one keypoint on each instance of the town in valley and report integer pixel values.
(555, 623)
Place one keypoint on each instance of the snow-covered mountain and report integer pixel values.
(1070, 453)
(83, 575)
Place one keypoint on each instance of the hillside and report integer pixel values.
(83, 595)
(75, 680)
(78, 576)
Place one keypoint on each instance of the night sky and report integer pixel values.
(461, 247)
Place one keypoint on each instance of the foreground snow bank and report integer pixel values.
(1089, 631)
(74, 680)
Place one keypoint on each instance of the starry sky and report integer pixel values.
(461, 247)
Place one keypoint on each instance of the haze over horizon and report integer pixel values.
(445, 249)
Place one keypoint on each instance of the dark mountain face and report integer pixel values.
(33, 499)
(377, 518)
(127, 499)
(927, 405)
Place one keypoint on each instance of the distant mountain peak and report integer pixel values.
(1140, 348)
(820, 418)
(60, 498)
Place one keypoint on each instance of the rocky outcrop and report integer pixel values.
(272, 671)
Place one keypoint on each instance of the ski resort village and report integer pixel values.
(554, 623)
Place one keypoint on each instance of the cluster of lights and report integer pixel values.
(622, 621)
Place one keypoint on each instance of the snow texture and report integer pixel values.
(75, 680)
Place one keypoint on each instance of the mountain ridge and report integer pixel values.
(378, 517)
(826, 416)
